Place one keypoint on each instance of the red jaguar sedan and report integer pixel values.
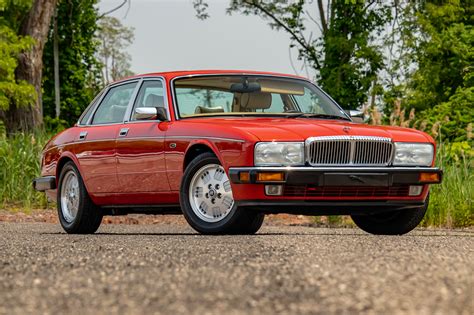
(226, 147)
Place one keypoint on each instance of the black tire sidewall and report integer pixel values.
(223, 226)
(397, 223)
(74, 225)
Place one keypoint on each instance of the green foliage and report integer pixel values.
(451, 120)
(21, 93)
(351, 59)
(55, 125)
(11, 45)
(444, 53)
(345, 57)
(79, 71)
(452, 202)
(13, 12)
(19, 164)
(435, 59)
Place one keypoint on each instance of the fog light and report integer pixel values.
(415, 190)
(273, 190)
(429, 177)
(271, 177)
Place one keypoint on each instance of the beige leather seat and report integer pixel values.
(153, 100)
(249, 102)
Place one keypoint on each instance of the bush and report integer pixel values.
(452, 120)
(452, 202)
(19, 165)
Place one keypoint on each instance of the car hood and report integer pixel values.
(298, 129)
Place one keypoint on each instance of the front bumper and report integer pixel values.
(332, 190)
(338, 176)
(44, 183)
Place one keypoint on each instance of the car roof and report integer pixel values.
(173, 74)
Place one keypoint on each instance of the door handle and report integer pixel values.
(83, 135)
(123, 132)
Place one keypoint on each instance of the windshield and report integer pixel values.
(238, 95)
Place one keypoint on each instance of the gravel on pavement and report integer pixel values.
(169, 269)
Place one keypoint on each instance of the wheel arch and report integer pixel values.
(197, 148)
(68, 157)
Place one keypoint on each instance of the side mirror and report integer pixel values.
(150, 113)
(357, 116)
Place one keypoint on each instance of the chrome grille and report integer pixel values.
(349, 150)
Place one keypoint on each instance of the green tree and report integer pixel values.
(114, 39)
(345, 55)
(435, 63)
(78, 68)
(442, 47)
(11, 91)
(28, 19)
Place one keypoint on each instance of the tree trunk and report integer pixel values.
(57, 96)
(30, 66)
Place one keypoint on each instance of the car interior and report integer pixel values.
(237, 94)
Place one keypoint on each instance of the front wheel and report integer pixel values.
(207, 202)
(77, 213)
(391, 223)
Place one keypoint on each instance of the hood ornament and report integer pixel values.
(346, 129)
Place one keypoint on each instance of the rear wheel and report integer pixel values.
(391, 223)
(207, 201)
(77, 213)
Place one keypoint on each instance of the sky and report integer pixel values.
(168, 36)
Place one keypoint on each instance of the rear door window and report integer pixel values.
(114, 105)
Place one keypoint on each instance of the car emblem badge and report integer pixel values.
(346, 129)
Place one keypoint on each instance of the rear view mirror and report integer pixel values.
(150, 113)
(245, 87)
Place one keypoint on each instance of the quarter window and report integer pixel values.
(112, 109)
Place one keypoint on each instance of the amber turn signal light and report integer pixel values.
(271, 177)
(244, 177)
(429, 178)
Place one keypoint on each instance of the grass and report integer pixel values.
(451, 203)
(19, 164)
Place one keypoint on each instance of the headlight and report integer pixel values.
(279, 153)
(413, 154)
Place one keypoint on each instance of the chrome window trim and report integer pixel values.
(352, 140)
(128, 113)
(175, 102)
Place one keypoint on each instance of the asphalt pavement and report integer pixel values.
(168, 269)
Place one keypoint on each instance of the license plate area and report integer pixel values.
(355, 179)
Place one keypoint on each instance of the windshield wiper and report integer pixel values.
(323, 116)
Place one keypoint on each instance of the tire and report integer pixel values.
(392, 223)
(204, 180)
(77, 213)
